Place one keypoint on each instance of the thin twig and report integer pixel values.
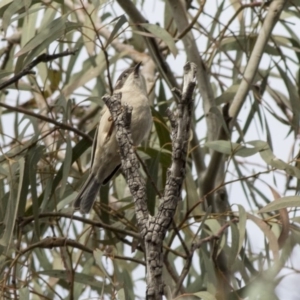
(197, 245)
(102, 47)
(27, 70)
(24, 221)
(195, 19)
(46, 119)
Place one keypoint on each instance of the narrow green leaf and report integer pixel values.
(210, 274)
(27, 13)
(34, 157)
(66, 166)
(4, 73)
(293, 96)
(9, 12)
(241, 226)
(165, 157)
(121, 21)
(231, 148)
(162, 130)
(98, 254)
(295, 219)
(52, 32)
(5, 3)
(79, 277)
(23, 187)
(228, 95)
(128, 283)
(87, 265)
(24, 293)
(267, 155)
(121, 294)
(12, 206)
(192, 195)
(104, 200)
(169, 21)
(234, 249)
(244, 43)
(215, 110)
(205, 296)
(162, 34)
(284, 202)
(264, 227)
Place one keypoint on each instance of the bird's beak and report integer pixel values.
(137, 69)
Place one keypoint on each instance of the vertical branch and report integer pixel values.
(271, 19)
(130, 164)
(193, 54)
(153, 228)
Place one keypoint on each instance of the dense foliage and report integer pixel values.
(236, 231)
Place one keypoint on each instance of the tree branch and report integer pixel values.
(27, 70)
(153, 228)
(192, 53)
(271, 19)
(196, 245)
(46, 119)
(26, 220)
(130, 165)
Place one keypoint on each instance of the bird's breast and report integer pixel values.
(141, 119)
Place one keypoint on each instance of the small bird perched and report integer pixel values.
(105, 154)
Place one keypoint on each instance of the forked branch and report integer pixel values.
(154, 228)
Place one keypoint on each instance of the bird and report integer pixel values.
(106, 160)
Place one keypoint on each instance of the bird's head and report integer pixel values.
(131, 79)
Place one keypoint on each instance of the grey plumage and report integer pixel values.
(105, 156)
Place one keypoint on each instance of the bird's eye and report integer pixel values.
(125, 75)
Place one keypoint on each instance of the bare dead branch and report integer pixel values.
(153, 228)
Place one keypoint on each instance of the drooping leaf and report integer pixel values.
(162, 34)
(273, 244)
(205, 296)
(13, 7)
(283, 202)
(12, 206)
(228, 95)
(241, 226)
(231, 148)
(267, 155)
(53, 31)
(121, 21)
(66, 165)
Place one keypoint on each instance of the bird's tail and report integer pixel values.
(87, 195)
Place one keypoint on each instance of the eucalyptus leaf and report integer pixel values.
(162, 34)
(205, 296)
(283, 202)
(231, 148)
(121, 21)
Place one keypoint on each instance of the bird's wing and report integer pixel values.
(103, 133)
(94, 147)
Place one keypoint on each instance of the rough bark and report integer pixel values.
(154, 228)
